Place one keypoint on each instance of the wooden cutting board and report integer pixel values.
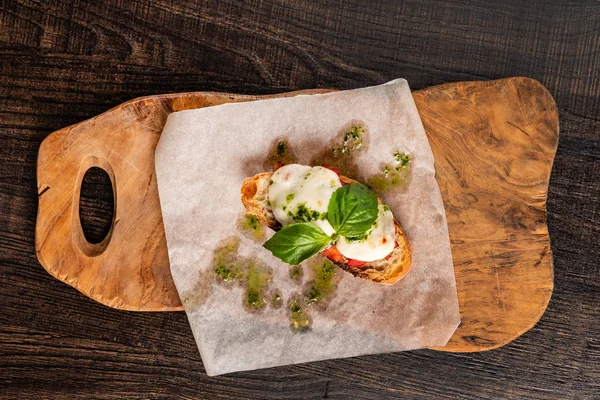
(493, 143)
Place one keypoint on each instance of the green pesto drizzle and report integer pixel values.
(276, 299)
(195, 297)
(257, 283)
(393, 174)
(226, 266)
(323, 284)
(250, 226)
(300, 321)
(281, 148)
(280, 153)
(229, 266)
(402, 159)
(296, 273)
(340, 152)
(305, 214)
(352, 141)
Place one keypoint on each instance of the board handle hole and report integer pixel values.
(96, 205)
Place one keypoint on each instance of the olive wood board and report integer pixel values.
(493, 143)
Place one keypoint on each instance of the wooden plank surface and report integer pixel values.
(493, 143)
(64, 62)
(128, 268)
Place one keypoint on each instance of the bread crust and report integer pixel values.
(255, 192)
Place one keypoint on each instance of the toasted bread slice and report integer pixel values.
(255, 192)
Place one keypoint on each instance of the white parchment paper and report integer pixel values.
(201, 160)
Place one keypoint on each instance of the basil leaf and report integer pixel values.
(297, 242)
(352, 210)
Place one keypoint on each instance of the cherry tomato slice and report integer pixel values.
(356, 263)
(337, 171)
(333, 253)
(278, 165)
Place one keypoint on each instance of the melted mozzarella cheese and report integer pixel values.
(379, 243)
(299, 193)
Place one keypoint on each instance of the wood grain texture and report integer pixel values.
(493, 142)
(64, 62)
(129, 268)
(494, 145)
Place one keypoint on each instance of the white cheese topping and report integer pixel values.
(299, 193)
(379, 243)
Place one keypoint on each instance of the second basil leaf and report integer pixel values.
(297, 242)
(352, 210)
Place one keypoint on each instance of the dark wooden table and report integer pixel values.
(65, 61)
